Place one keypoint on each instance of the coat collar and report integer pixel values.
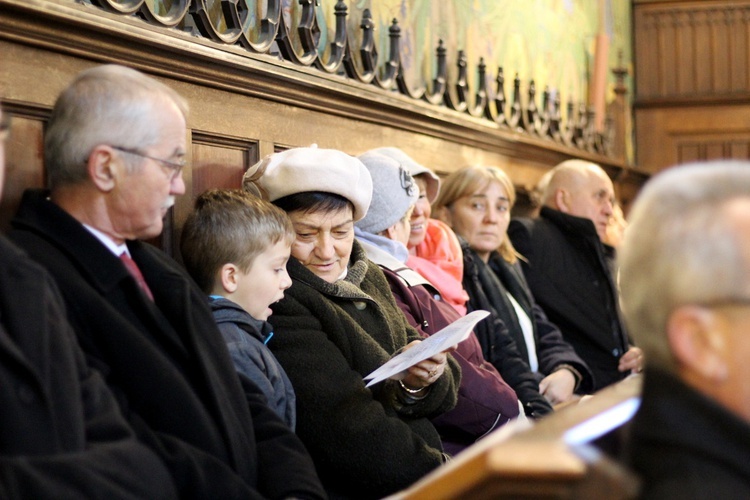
(511, 276)
(348, 288)
(705, 427)
(227, 311)
(50, 222)
(579, 226)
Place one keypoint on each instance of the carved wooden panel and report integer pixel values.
(216, 161)
(299, 33)
(674, 135)
(692, 81)
(690, 49)
(219, 161)
(24, 167)
(245, 105)
(712, 148)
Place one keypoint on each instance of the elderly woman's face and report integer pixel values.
(482, 218)
(324, 241)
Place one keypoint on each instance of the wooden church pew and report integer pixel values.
(553, 458)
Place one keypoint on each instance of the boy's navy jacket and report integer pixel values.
(246, 338)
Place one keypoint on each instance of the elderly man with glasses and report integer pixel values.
(685, 281)
(114, 149)
(61, 433)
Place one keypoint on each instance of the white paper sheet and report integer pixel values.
(446, 338)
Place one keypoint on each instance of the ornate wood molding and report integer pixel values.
(280, 58)
(692, 51)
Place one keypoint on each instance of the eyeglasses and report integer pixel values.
(5, 127)
(175, 166)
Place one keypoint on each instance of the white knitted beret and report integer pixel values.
(414, 168)
(301, 170)
(393, 192)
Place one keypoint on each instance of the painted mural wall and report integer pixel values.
(553, 42)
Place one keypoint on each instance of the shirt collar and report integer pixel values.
(108, 242)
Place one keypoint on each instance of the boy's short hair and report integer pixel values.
(230, 226)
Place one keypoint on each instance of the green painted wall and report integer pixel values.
(549, 41)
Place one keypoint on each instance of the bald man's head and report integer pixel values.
(582, 189)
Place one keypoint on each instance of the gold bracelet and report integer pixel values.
(410, 391)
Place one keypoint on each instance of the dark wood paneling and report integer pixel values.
(691, 48)
(692, 81)
(219, 161)
(24, 167)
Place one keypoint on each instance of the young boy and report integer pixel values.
(236, 246)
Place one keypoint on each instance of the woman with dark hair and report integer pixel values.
(476, 203)
(337, 323)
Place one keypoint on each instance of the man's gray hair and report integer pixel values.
(680, 249)
(108, 104)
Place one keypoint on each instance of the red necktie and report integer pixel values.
(136, 273)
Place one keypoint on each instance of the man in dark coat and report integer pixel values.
(114, 148)
(61, 432)
(685, 278)
(568, 273)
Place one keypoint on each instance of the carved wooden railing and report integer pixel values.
(297, 38)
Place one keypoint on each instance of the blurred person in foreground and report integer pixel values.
(685, 279)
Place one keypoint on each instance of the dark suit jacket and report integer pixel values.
(686, 446)
(167, 363)
(570, 278)
(551, 349)
(61, 432)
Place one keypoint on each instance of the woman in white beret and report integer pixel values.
(337, 323)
